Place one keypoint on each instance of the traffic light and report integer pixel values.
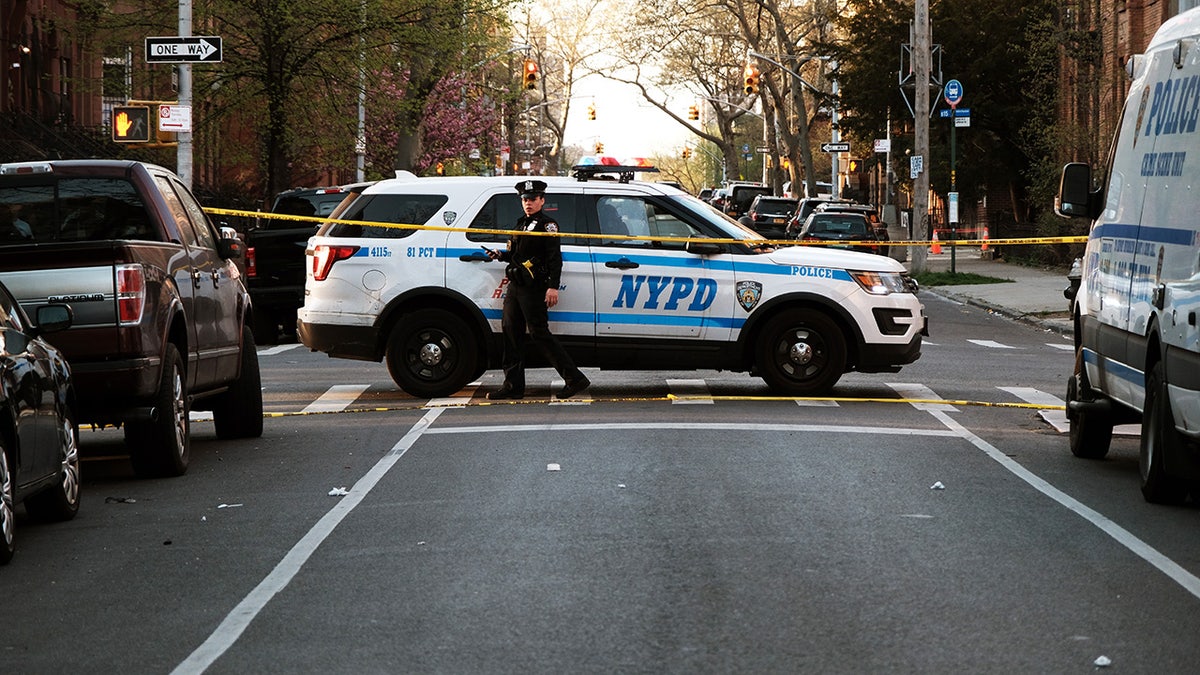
(531, 74)
(599, 147)
(687, 152)
(131, 124)
(751, 78)
(592, 111)
(693, 112)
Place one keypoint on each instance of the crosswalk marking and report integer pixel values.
(692, 389)
(992, 344)
(277, 349)
(1055, 418)
(817, 404)
(338, 397)
(920, 391)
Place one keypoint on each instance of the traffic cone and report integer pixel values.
(985, 240)
(937, 248)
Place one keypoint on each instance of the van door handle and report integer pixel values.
(622, 263)
(478, 256)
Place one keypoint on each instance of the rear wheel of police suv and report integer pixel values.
(801, 352)
(160, 447)
(1159, 438)
(238, 413)
(1091, 432)
(432, 353)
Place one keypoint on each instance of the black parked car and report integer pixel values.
(768, 215)
(39, 439)
(841, 226)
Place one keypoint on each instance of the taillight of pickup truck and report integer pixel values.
(324, 256)
(131, 294)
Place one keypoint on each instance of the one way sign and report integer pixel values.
(190, 49)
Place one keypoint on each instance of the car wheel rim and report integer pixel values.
(430, 355)
(70, 463)
(800, 354)
(179, 412)
(7, 524)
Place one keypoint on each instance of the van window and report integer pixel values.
(404, 209)
(502, 211)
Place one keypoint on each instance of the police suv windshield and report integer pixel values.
(730, 227)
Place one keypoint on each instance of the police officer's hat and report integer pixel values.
(531, 188)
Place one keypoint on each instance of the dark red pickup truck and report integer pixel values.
(161, 313)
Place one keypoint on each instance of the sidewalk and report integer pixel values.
(1035, 296)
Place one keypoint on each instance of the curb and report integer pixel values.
(1063, 326)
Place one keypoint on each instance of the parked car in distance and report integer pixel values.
(871, 213)
(275, 257)
(740, 197)
(804, 209)
(768, 215)
(840, 226)
(39, 437)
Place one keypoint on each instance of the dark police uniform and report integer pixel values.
(534, 265)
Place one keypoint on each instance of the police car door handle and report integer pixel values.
(477, 256)
(621, 263)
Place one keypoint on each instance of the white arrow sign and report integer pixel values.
(193, 48)
(843, 146)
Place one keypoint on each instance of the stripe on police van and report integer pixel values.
(1143, 233)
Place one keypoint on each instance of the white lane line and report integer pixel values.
(236, 622)
(696, 390)
(992, 344)
(1173, 570)
(338, 397)
(1055, 418)
(1065, 346)
(686, 426)
(920, 392)
(277, 349)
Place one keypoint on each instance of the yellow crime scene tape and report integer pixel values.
(669, 397)
(1079, 239)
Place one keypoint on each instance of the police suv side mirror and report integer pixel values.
(702, 248)
(1075, 197)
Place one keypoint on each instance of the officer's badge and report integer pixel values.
(449, 217)
(529, 186)
(551, 227)
(748, 294)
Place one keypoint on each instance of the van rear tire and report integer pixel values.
(1159, 439)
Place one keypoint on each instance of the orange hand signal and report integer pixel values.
(123, 124)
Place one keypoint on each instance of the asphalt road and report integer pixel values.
(665, 522)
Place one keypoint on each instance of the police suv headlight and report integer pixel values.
(882, 283)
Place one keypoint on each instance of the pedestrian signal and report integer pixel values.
(131, 124)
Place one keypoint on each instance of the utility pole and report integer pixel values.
(183, 151)
(921, 67)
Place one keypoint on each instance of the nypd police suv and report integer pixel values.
(652, 279)
(1137, 330)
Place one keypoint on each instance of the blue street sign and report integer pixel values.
(943, 113)
(962, 112)
(954, 92)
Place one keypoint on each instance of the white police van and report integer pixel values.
(1136, 325)
(652, 279)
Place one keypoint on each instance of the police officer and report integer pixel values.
(534, 270)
